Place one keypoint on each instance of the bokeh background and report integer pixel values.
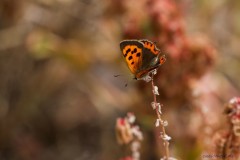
(59, 98)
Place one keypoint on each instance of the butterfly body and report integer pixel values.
(142, 56)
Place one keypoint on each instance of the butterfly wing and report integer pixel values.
(132, 51)
(150, 46)
(151, 58)
(162, 59)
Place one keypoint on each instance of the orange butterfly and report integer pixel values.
(142, 56)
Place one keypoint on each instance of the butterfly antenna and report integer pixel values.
(128, 80)
(126, 84)
(117, 75)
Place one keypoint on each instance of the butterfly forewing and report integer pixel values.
(132, 51)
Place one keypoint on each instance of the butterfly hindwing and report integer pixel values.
(132, 51)
(150, 61)
(150, 56)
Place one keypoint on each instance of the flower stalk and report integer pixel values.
(160, 122)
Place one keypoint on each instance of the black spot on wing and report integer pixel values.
(130, 57)
(128, 50)
(132, 63)
(134, 51)
(138, 54)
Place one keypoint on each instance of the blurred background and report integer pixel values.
(59, 99)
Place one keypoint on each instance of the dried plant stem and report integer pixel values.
(166, 143)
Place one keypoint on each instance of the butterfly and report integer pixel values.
(142, 56)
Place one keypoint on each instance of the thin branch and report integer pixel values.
(158, 112)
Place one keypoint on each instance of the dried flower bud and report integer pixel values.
(154, 72)
(153, 104)
(159, 109)
(123, 131)
(166, 137)
(146, 78)
(233, 111)
(157, 123)
(164, 123)
(137, 133)
(131, 117)
(233, 107)
(155, 90)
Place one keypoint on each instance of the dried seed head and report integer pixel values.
(157, 123)
(131, 117)
(137, 133)
(166, 137)
(164, 123)
(146, 78)
(153, 104)
(123, 131)
(154, 72)
(155, 90)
